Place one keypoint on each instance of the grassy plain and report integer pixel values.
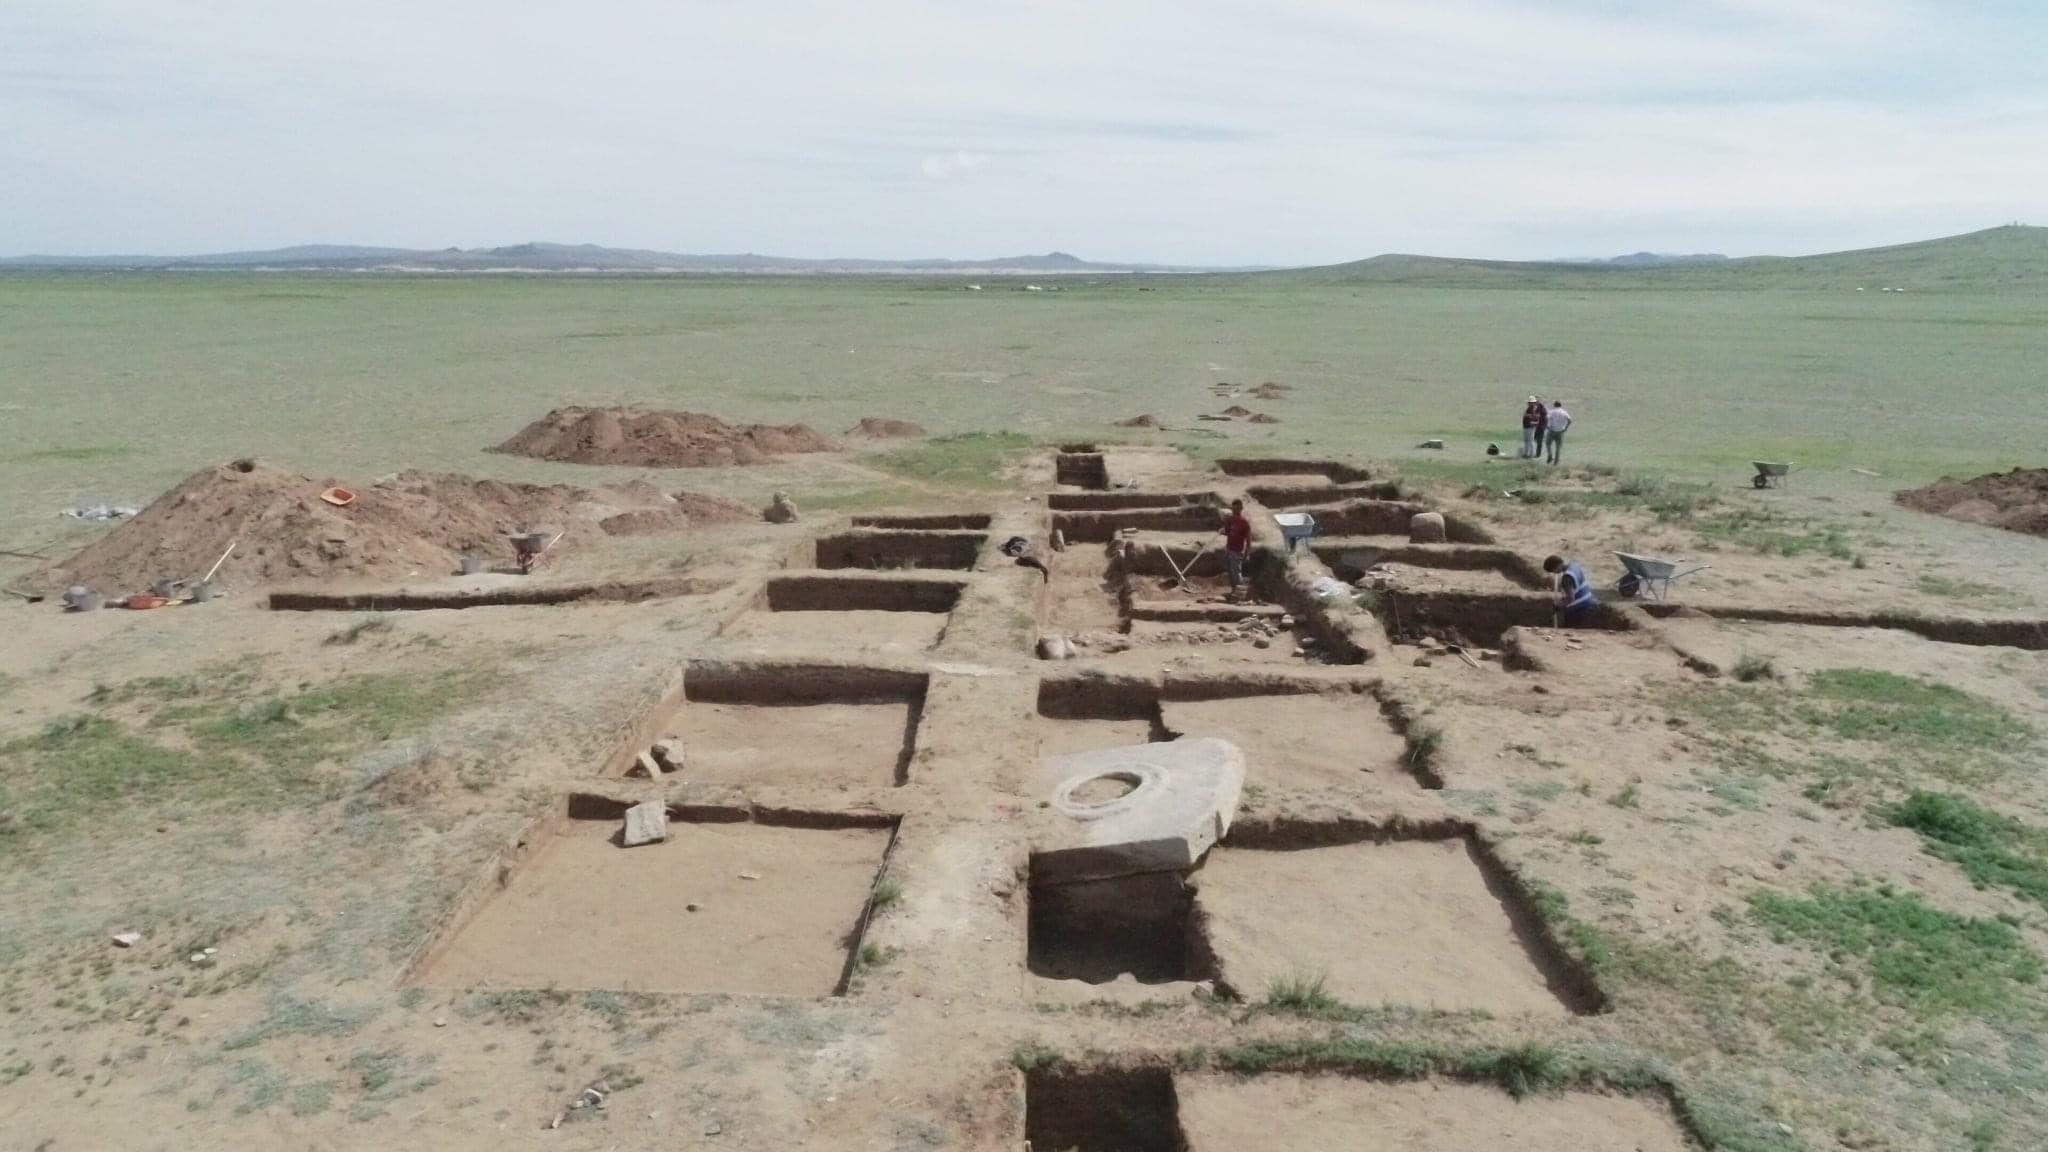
(112, 387)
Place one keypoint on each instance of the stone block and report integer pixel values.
(1426, 528)
(646, 823)
(1182, 796)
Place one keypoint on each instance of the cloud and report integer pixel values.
(1184, 131)
(947, 165)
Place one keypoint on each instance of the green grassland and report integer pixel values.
(113, 386)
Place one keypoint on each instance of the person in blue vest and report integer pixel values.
(1575, 599)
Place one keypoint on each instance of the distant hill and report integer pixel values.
(570, 258)
(1654, 259)
(2013, 256)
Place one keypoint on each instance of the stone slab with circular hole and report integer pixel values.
(1142, 808)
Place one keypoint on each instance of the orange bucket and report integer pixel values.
(339, 497)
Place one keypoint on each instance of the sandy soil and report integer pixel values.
(1305, 743)
(1409, 923)
(1335, 1114)
(860, 745)
(848, 632)
(773, 907)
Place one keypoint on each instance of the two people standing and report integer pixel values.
(1544, 428)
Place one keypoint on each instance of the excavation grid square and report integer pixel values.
(1335, 741)
(1415, 924)
(831, 744)
(775, 911)
(1110, 1111)
(1097, 931)
(1337, 1113)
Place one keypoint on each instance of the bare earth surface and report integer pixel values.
(714, 908)
(357, 823)
(1404, 923)
(1329, 1115)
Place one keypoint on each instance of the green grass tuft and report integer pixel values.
(887, 893)
(972, 460)
(1750, 669)
(1993, 850)
(1919, 957)
(1300, 993)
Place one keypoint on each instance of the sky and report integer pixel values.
(1193, 131)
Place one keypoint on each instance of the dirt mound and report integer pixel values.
(647, 438)
(688, 510)
(1272, 390)
(1146, 421)
(2015, 500)
(1262, 418)
(1237, 410)
(881, 428)
(282, 530)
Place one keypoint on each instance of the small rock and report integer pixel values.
(1055, 648)
(211, 951)
(713, 1128)
(127, 939)
(692, 907)
(646, 823)
(198, 958)
(1426, 528)
(1286, 621)
(1423, 662)
(1059, 540)
(1432, 445)
(1539, 689)
(440, 1021)
(668, 754)
(750, 875)
(1262, 642)
(780, 510)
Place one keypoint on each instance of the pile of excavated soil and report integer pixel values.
(1237, 410)
(1272, 390)
(1262, 418)
(882, 428)
(2016, 501)
(1146, 421)
(282, 530)
(647, 438)
(688, 510)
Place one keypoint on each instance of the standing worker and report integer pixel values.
(1532, 421)
(1575, 599)
(1555, 424)
(1237, 544)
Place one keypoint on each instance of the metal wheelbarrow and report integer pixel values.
(1649, 576)
(1295, 527)
(1769, 475)
(528, 548)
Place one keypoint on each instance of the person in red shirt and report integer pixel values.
(1237, 543)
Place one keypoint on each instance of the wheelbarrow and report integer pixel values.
(529, 547)
(1769, 475)
(1295, 527)
(1649, 576)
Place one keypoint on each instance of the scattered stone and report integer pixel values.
(750, 875)
(1539, 689)
(1286, 621)
(197, 958)
(1059, 540)
(646, 823)
(668, 755)
(691, 907)
(1055, 648)
(440, 1021)
(1432, 445)
(1262, 642)
(1423, 662)
(127, 939)
(1426, 528)
(211, 951)
(713, 1128)
(780, 510)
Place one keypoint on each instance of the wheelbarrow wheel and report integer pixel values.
(1760, 481)
(1628, 587)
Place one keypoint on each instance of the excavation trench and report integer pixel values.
(1331, 470)
(797, 725)
(1348, 560)
(1283, 497)
(807, 593)
(1388, 518)
(749, 901)
(931, 522)
(522, 595)
(895, 549)
(1421, 913)
(1480, 619)
(1100, 527)
(1121, 501)
(2028, 634)
(1081, 469)
(1105, 1109)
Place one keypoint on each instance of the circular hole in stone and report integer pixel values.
(1105, 789)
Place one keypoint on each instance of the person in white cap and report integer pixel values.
(1532, 429)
